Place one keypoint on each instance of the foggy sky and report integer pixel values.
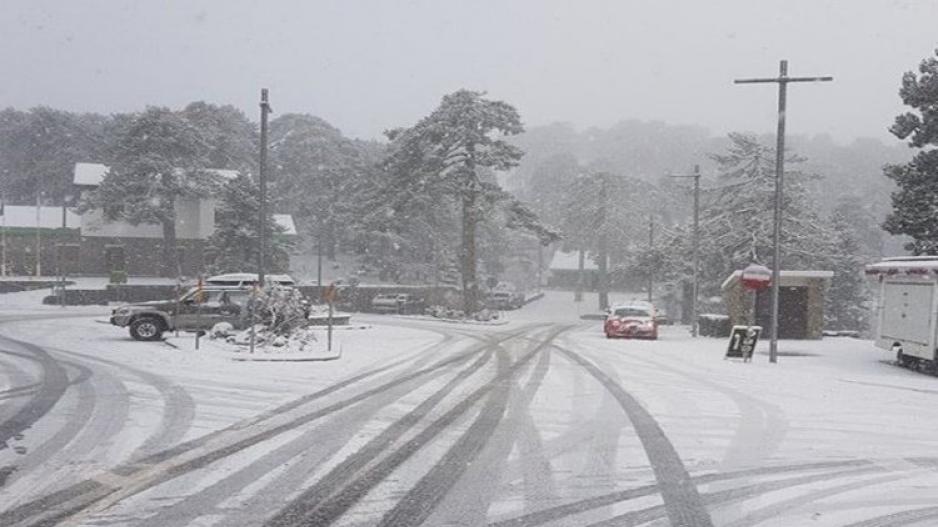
(366, 66)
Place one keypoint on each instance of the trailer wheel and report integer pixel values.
(912, 363)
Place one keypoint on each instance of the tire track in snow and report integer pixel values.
(256, 510)
(423, 498)
(757, 516)
(762, 426)
(178, 406)
(589, 504)
(598, 469)
(303, 512)
(206, 501)
(469, 500)
(681, 499)
(40, 456)
(339, 489)
(900, 519)
(731, 495)
(54, 381)
(107, 488)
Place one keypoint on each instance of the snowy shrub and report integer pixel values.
(221, 330)
(280, 310)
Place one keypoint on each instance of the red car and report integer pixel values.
(631, 321)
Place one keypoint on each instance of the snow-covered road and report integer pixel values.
(540, 421)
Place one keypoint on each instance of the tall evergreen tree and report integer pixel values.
(315, 173)
(915, 203)
(234, 242)
(447, 151)
(848, 291)
(160, 158)
(606, 215)
(737, 217)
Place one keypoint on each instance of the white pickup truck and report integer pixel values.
(907, 308)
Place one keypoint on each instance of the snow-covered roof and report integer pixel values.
(285, 221)
(784, 274)
(570, 261)
(908, 265)
(49, 217)
(91, 174)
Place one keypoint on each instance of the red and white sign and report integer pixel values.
(756, 277)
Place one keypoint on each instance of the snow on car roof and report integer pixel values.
(285, 221)
(250, 277)
(638, 304)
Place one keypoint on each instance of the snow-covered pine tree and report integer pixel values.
(846, 299)
(914, 210)
(607, 216)
(159, 158)
(446, 151)
(233, 245)
(736, 225)
(315, 174)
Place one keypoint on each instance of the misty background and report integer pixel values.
(636, 90)
(367, 66)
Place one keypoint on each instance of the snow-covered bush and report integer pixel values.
(221, 330)
(279, 310)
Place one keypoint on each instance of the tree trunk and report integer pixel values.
(170, 263)
(580, 277)
(331, 238)
(470, 286)
(603, 284)
(603, 277)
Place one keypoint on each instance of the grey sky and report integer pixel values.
(369, 65)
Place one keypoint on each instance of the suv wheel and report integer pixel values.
(146, 328)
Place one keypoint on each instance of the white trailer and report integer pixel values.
(907, 308)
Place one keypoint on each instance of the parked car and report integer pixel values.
(504, 299)
(401, 303)
(635, 320)
(196, 310)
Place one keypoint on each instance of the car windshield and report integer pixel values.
(631, 312)
(469, 263)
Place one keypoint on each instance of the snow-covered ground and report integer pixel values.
(591, 428)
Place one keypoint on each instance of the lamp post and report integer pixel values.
(782, 80)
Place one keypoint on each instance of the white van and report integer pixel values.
(907, 308)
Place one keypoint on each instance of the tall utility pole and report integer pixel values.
(782, 80)
(696, 256)
(262, 210)
(262, 184)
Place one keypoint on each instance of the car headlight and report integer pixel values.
(122, 311)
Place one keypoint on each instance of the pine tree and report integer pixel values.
(160, 158)
(233, 245)
(316, 175)
(915, 203)
(846, 299)
(737, 217)
(606, 215)
(446, 154)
